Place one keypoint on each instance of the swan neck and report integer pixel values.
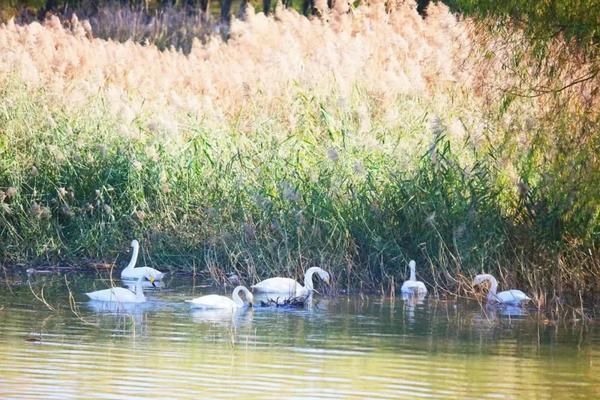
(494, 285)
(134, 257)
(235, 296)
(139, 290)
(413, 275)
(308, 280)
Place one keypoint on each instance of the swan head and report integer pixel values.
(325, 277)
(135, 243)
(479, 279)
(247, 294)
(493, 283)
(249, 297)
(412, 264)
(151, 278)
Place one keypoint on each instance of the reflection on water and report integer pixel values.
(340, 348)
(236, 317)
(410, 301)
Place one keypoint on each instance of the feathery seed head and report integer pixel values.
(289, 192)
(45, 213)
(5, 208)
(358, 168)
(430, 219)
(137, 165)
(35, 210)
(140, 215)
(11, 192)
(332, 154)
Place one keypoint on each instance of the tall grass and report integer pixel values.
(356, 141)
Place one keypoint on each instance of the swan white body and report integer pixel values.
(130, 272)
(412, 285)
(289, 287)
(217, 302)
(510, 297)
(121, 295)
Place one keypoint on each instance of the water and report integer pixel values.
(342, 348)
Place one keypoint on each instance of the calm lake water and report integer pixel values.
(348, 347)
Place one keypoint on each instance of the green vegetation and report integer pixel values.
(542, 19)
(253, 201)
(259, 204)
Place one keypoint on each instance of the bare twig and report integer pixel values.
(40, 297)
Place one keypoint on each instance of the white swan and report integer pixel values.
(122, 295)
(289, 287)
(214, 301)
(412, 285)
(510, 297)
(134, 273)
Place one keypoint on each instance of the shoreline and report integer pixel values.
(565, 301)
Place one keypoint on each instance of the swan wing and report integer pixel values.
(302, 293)
(416, 287)
(154, 272)
(136, 273)
(212, 301)
(513, 296)
(218, 315)
(285, 286)
(116, 294)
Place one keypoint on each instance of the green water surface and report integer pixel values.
(346, 347)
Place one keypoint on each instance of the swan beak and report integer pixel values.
(152, 281)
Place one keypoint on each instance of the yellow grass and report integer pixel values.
(255, 75)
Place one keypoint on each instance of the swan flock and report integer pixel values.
(288, 288)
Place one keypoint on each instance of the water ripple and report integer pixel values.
(343, 348)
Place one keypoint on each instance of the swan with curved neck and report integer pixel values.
(412, 286)
(130, 272)
(215, 301)
(122, 295)
(289, 287)
(510, 297)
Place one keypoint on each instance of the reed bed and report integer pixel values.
(356, 141)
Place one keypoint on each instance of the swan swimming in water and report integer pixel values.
(122, 295)
(215, 301)
(289, 287)
(412, 286)
(130, 272)
(511, 297)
